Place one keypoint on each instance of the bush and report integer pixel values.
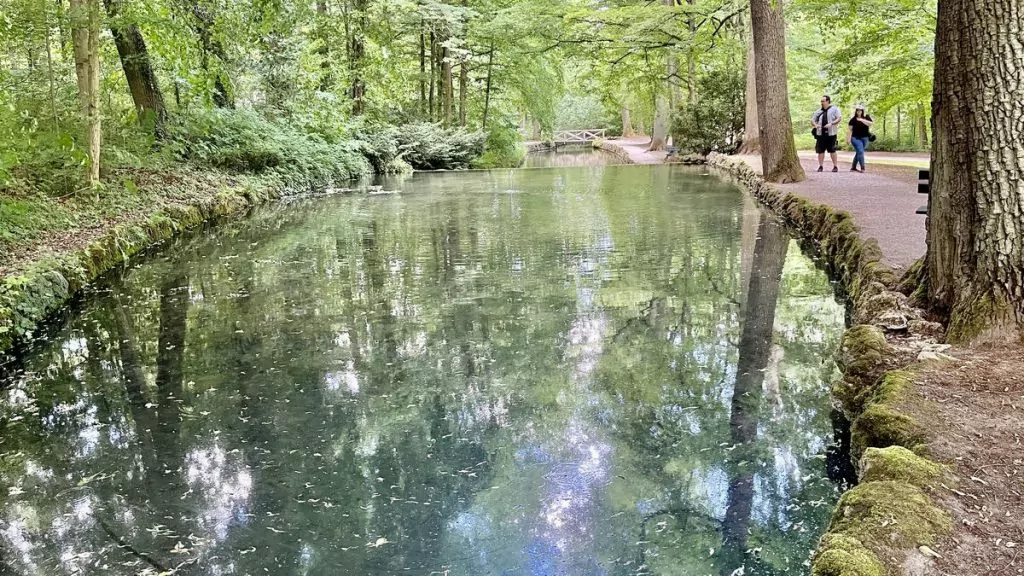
(715, 122)
(244, 141)
(428, 146)
(503, 149)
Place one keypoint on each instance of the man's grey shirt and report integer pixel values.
(833, 116)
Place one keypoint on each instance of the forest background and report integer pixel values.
(319, 91)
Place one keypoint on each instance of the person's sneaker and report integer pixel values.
(821, 168)
(854, 169)
(835, 168)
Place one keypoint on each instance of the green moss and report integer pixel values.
(898, 463)
(861, 357)
(840, 555)
(889, 515)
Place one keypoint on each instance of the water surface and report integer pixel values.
(571, 155)
(588, 371)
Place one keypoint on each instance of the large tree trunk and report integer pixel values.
(778, 150)
(627, 123)
(85, 36)
(138, 69)
(922, 126)
(751, 130)
(659, 133)
(975, 258)
(755, 352)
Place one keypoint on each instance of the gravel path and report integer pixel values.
(881, 201)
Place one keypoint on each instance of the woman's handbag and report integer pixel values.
(871, 137)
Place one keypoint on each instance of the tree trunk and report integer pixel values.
(356, 54)
(691, 59)
(463, 86)
(885, 117)
(659, 133)
(433, 74)
(138, 69)
(446, 70)
(778, 150)
(424, 111)
(899, 125)
(51, 82)
(627, 123)
(85, 37)
(324, 50)
(975, 258)
(211, 46)
(755, 352)
(487, 89)
(922, 126)
(751, 131)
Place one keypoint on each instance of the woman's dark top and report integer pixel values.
(860, 130)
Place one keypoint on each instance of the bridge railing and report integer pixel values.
(578, 135)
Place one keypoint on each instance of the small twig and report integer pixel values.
(122, 543)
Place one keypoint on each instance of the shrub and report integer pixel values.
(715, 122)
(244, 141)
(503, 149)
(428, 146)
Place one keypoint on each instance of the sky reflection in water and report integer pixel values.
(598, 370)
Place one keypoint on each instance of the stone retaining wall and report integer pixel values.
(886, 524)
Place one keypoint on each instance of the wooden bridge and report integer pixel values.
(578, 136)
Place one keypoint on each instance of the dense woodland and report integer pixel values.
(250, 85)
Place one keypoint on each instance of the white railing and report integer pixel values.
(565, 136)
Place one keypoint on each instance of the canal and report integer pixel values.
(562, 371)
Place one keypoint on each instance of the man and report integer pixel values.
(826, 128)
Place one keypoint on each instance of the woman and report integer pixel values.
(859, 136)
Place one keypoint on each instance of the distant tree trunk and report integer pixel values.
(885, 117)
(433, 74)
(975, 258)
(627, 123)
(357, 52)
(49, 73)
(487, 89)
(138, 69)
(659, 132)
(446, 68)
(899, 125)
(691, 59)
(751, 130)
(778, 150)
(424, 111)
(324, 49)
(755, 352)
(922, 126)
(62, 29)
(212, 46)
(85, 15)
(463, 87)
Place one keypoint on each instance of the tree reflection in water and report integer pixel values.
(592, 371)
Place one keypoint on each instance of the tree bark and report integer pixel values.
(751, 130)
(755, 352)
(627, 123)
(778, 150)
(138, 69)
(659, 132)
(922, 126)
(975, 258)
(85, 37)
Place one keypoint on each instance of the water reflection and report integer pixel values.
(573, 155)
(615, 370)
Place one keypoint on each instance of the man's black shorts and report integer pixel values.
(825, 144)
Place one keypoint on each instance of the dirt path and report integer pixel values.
(882, 201)
(637, 150)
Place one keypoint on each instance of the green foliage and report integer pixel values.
(244, 141)
(503, 149)
(714, 123)
(427, 146)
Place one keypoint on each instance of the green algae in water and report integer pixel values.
(560, 371)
